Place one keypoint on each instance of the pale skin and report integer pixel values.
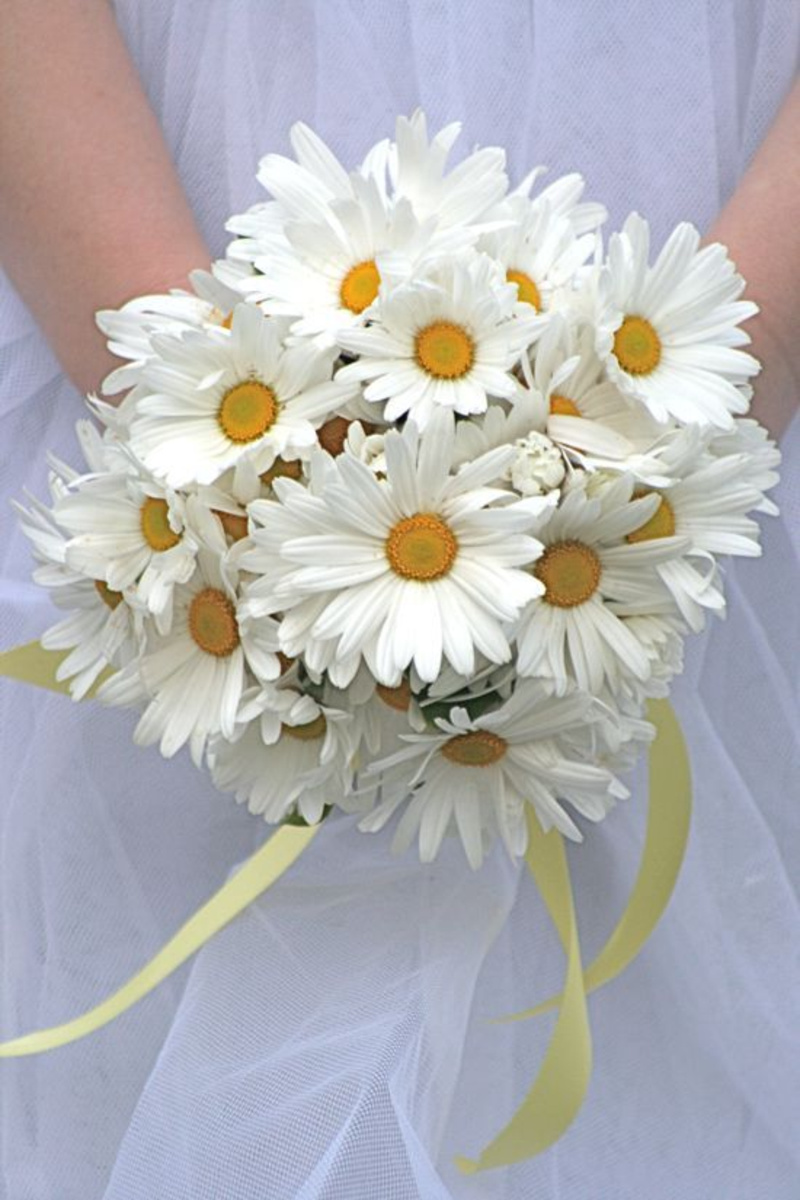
(92, 212)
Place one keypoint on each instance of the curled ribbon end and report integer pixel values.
(467, 1166)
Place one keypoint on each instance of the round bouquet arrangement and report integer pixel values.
(409, 505)
(408, 508)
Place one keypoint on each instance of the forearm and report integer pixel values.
(91, 209)
(761, 227)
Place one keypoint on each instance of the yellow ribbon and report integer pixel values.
(669, 814)
(558, 1090)
(33, 664)
(258, 873)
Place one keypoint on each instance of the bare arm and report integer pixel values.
(91, 210)
(761, 227)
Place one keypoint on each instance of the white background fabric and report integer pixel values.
(334, 1043)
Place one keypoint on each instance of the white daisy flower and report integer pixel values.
(539, 251)
(328, 275)
(670, 333)
(417, 171)
(707, 505)
(585, 412)
(379, 712)
(477, 776)
(305, 767)
(101, 629)
(663, 640)
(236, 398)
(563, 198)
(193, 679)
(131, 533)
(368, 448)
(417, 568)
(444, 340)
(304, 190)
(619, 731)
(130, 329)
(759, 457)
(593, 578)
(501, 425)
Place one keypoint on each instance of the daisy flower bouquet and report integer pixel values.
(409, 504)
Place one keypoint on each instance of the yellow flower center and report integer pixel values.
(660, 525)
(528, 291)
(234, 524)
(107, 595)
(397, 698)
(444, 350)
(247, 411)
(570, 572)
(421, 547)
(562, 406)
(227, 321)
(637, 346)
(479, 748)
(360, 286)
(283, 468)
(156, 529)
(309, 732)
(212, 623)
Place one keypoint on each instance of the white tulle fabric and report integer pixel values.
(335, 1042)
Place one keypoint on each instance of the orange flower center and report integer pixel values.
(444, 350)
(247, 411)
(637, 346)
(660, 525)
(570, 572)
(212, 623)
(562, 406)
(234, 524)
(107, 594)
(360, 286)
(528, 291)
(422, 547)
(156, 529)
(309, 732)
(397, 698)
(478, 748)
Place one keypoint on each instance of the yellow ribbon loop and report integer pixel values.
(669, 814)
(558, 1091)
(260, 871)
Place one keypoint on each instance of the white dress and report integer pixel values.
(334, 1043)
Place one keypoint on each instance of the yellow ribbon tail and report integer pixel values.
(669, 814)
(559, 1089)
(258, 874)
(31, 663)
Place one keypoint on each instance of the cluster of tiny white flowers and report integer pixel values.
(408, 506)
